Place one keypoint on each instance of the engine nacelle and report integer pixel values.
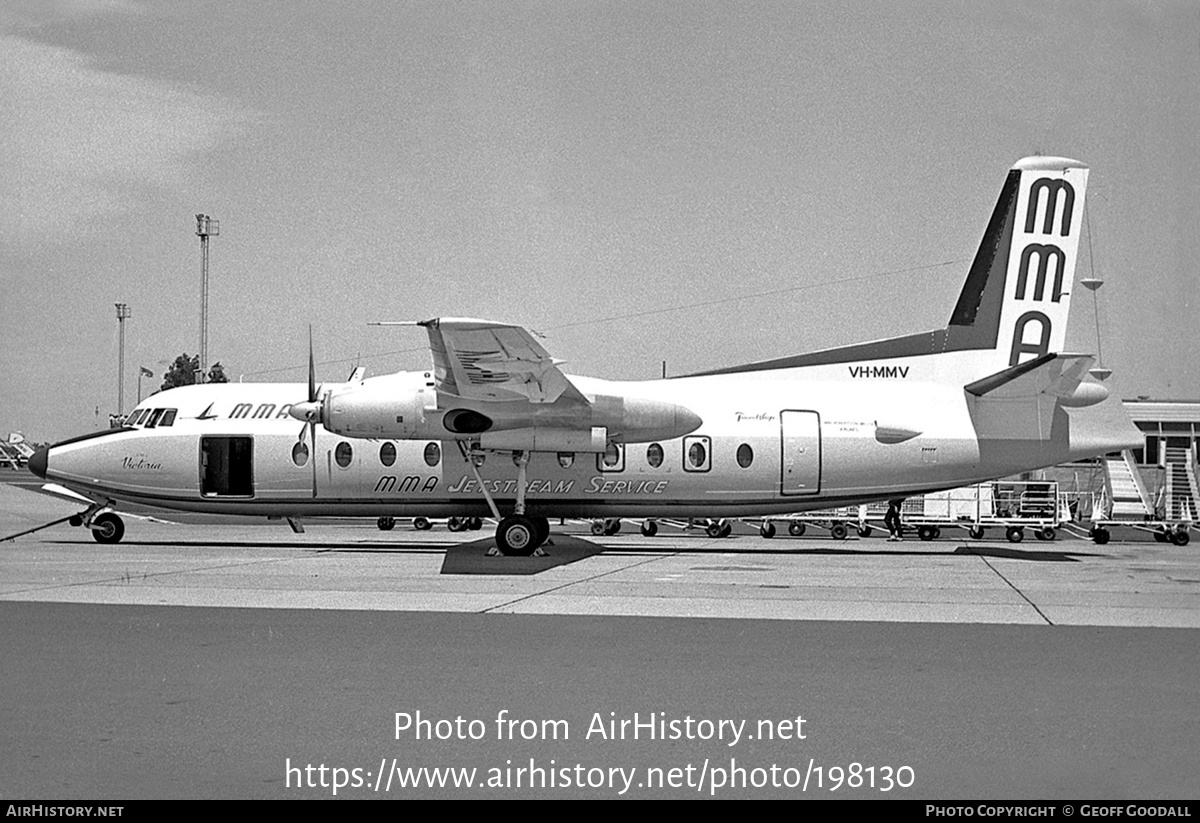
(591, 441)
(396, 406)
(641, 420)
(404, 406)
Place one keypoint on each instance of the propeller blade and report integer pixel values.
(309, 412)
(313, 426)
(312, 370)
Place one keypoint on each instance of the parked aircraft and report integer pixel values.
(496, 428)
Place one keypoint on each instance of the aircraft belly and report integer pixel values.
(862, 465)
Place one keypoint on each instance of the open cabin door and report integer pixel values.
(226, 466)
(800, 458)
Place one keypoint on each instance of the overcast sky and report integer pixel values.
(701, 183)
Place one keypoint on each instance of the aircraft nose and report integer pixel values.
(37, 463)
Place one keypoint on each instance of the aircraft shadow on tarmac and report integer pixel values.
(973, 551)
(473, 558)
(365, 547)
(479, 557)
(559, 550)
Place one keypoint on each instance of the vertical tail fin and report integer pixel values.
(1018, 292)
(1013, 307)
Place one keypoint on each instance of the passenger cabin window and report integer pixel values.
(433, 454)
(566, 459)
(697, 456)
(613, 458)
(654, 455)
(343, 454)
(387, 454)
(745, 455)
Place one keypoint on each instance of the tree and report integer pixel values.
(183, 372)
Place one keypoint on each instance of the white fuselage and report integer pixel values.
(771, 442)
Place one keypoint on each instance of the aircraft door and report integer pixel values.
(800, 458)
(227, 466)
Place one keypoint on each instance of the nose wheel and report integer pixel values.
(108, 528)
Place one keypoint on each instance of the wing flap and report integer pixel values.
(482, 360)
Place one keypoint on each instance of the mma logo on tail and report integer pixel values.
(1042, 257)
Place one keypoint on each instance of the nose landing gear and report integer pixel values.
(107, 528)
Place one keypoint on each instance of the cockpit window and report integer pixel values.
(136, 417)
(168, 418)
(152, 421)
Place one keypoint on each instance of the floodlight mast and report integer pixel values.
(122, 313)
(206, 227)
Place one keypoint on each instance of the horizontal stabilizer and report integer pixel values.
(1055, 375)
(1027, 401)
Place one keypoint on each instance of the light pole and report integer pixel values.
(122, 313)
(142, 372)
(206, 227)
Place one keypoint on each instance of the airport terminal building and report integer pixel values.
(1156, 481)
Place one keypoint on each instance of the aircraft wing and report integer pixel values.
(482, 360)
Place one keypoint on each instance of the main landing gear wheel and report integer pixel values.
(796, 528)
(649, 528)
(607, 527)
(516, 536)
(767, 529)
(386, 524)
(719, 528)
(108, 528)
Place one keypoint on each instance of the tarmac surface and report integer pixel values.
(206, 659)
